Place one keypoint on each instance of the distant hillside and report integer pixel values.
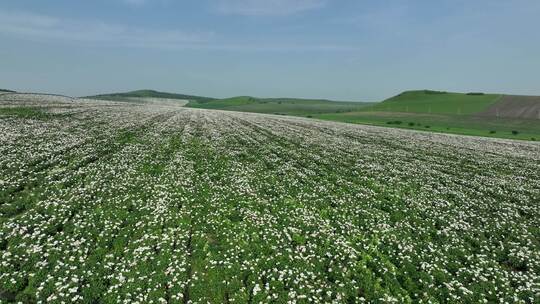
(128, 96)
(437, 102)
(286, 106)
(480, 114)
(7, 91)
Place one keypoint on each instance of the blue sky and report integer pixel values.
(341, 49)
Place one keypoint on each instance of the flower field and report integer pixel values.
(116, 202)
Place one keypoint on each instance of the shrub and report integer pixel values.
(411, 124)
(475, 93)
(514, 132)
(395, 122)
(434, 92)
(427, 127)
(492, 132)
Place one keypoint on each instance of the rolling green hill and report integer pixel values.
(284, 106)
(449, 112)
(147, 94)
(446, 112)
(436, 102)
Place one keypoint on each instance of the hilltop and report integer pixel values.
(129, 96)
(437, 102)
(480, 104)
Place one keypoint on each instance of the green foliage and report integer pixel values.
(26, 112)
(432, 92)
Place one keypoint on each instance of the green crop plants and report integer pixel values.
(119, 202)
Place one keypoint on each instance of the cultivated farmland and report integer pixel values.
(523, 107)
(130, 202)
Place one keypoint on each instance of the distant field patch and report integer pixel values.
(528, 129)
(524, 107)
(286, 106)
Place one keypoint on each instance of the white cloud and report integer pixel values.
(35, 27)
(267, 7)
(26, 25)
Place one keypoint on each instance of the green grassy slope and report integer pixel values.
(436, 102)
(525, 129)
(147, 93)
(287, 106)
(441, 112)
